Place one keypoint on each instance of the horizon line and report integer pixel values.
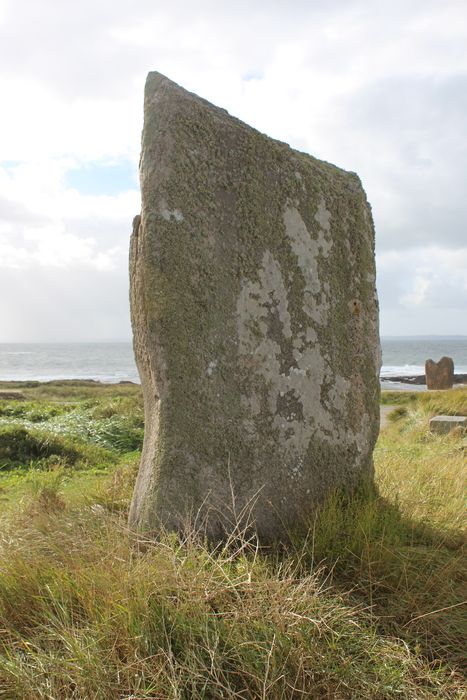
(419, 336)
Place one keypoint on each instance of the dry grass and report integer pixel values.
(84, 615)
(369, 606)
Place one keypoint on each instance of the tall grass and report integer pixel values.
(452, 402)
(369, 605)
(401, 545)
(84, 615)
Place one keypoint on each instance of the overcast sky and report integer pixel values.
(374, 86)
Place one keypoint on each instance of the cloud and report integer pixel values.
(423, 290)
(420, 286)
(376, 87)
(64, 304)
(61, 227)
(415, 160)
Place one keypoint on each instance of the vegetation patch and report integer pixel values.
(452, 402)
(369, 606)
(38, 429)
(31, 410)
(20, 447)
(177, 620)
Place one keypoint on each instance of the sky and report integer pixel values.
(375, 86)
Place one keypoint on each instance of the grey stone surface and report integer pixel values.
(255, 323)
(444, 424)
(439, 375)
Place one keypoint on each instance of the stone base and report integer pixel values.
(444, 424)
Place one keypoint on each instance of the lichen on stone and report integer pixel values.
(255, 322)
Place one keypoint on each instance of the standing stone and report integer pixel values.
(255, 322)
(439, 375)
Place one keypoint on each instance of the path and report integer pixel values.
(384, 412)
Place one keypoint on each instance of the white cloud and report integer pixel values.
(61, 227)
(420, 285)
(423, 290)
(39, 124)
(375, 86)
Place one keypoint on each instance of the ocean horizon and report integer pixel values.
(113, 361)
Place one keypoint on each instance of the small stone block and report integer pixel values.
(444, 424)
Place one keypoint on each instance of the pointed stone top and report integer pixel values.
(161, 90)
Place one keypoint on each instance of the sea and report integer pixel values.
(114, 362)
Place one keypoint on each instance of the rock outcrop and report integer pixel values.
(439, 375)
(255, 324)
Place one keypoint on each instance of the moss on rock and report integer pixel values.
(255, 322)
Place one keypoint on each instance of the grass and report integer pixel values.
(452, 402)
(69, 390)
(368, 606)
(20, 447)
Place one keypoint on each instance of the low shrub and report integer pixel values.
(32, 410)
(20, 446)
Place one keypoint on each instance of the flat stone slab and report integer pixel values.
(444, 424)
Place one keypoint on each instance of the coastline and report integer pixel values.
(113, 362)
(392, 383)
(419, 379)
